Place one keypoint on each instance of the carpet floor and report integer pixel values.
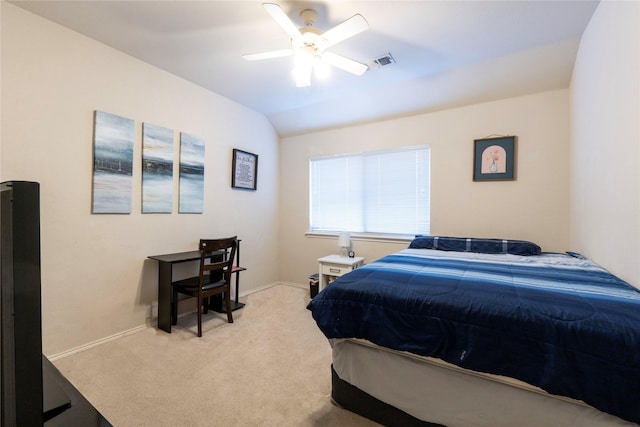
(271, 367)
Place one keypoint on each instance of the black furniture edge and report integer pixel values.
(79, 412)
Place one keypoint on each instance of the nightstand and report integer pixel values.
(333, 266)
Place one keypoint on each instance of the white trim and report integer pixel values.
(87, 346)
(261, 288)
(150, 323)
(365, 237)
(390, 150)
(295, 285)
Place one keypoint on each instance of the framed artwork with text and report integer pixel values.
(244, 170)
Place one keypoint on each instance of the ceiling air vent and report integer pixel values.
(385, 59)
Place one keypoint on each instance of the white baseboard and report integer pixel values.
(151, 323)
(102, 341)
(295, 285)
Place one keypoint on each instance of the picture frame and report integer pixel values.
(244, 170)
(192, 165)
(113, 141)
(494, 159)
(157, 169)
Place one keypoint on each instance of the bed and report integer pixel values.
(461, 332)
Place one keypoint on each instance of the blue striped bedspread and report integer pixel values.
(555, 321)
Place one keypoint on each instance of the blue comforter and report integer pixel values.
(555, 321)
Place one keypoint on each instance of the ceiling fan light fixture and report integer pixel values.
(302, 60)
(321, 69)
(302, 69)
(302, 79)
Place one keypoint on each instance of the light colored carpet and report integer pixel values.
(271, 367)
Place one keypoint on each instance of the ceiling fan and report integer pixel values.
(309, 45)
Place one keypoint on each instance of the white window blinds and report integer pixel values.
(374, 192)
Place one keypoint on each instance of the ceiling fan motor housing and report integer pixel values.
(310, 41)
(309, 17)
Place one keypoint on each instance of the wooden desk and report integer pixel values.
(165, 277)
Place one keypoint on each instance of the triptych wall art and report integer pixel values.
(191, 174)
(112, 163)
(113, 167)
(157, 169)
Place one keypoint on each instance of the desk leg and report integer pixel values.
(217, 304)
(237, 304)
(164, 296)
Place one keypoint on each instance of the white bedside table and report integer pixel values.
(332, 266)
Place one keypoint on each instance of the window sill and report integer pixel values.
(365, 237)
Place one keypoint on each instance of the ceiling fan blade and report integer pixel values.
(349, 28)
(267, 55)
(282, 19)
(344, 63)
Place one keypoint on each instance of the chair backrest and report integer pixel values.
(217, 257)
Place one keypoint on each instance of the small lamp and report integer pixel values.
(344, 241)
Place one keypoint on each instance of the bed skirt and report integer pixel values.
(399, 389)
(355, 400)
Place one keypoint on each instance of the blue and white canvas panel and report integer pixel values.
(191, 198)
(157, 169)
(112, 163)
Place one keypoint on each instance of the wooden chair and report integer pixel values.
(214, 277)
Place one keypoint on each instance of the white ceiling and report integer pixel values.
(447, 53)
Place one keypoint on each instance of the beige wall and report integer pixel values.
(605, 160)
(533, 207)
(96, 280)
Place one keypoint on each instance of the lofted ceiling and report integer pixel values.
(447, 53)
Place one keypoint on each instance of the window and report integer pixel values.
(382, 192)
